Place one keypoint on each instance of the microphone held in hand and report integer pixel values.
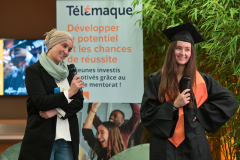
(184, 83)
(73, 72)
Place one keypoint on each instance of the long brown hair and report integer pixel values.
(114, 140)
(169, 82)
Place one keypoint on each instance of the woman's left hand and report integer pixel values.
(48, 114)
(194, 118)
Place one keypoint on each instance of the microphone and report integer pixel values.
(184, 84)
(73, 72)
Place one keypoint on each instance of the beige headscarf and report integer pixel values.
(57, 71)
(56, 36)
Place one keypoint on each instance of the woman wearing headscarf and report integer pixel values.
(180, 103)
(53, 101)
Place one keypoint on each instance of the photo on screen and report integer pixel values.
(17, 56)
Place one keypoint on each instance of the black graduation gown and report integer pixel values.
(160, 120)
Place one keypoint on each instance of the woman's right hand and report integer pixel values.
(76, 84)
(182, 99)
(48, 114)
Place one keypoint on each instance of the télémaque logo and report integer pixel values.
(87, 11)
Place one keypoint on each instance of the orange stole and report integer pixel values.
(201, 96)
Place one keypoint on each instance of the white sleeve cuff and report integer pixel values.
(66, 95)
(61, 112)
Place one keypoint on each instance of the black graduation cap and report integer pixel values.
(185, 32)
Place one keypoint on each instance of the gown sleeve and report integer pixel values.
(157, 117)
(218, 108)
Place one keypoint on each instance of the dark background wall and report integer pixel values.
(23, 19)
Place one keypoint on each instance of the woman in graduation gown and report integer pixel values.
(176, 116)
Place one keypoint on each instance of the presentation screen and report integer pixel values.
(15, 56)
